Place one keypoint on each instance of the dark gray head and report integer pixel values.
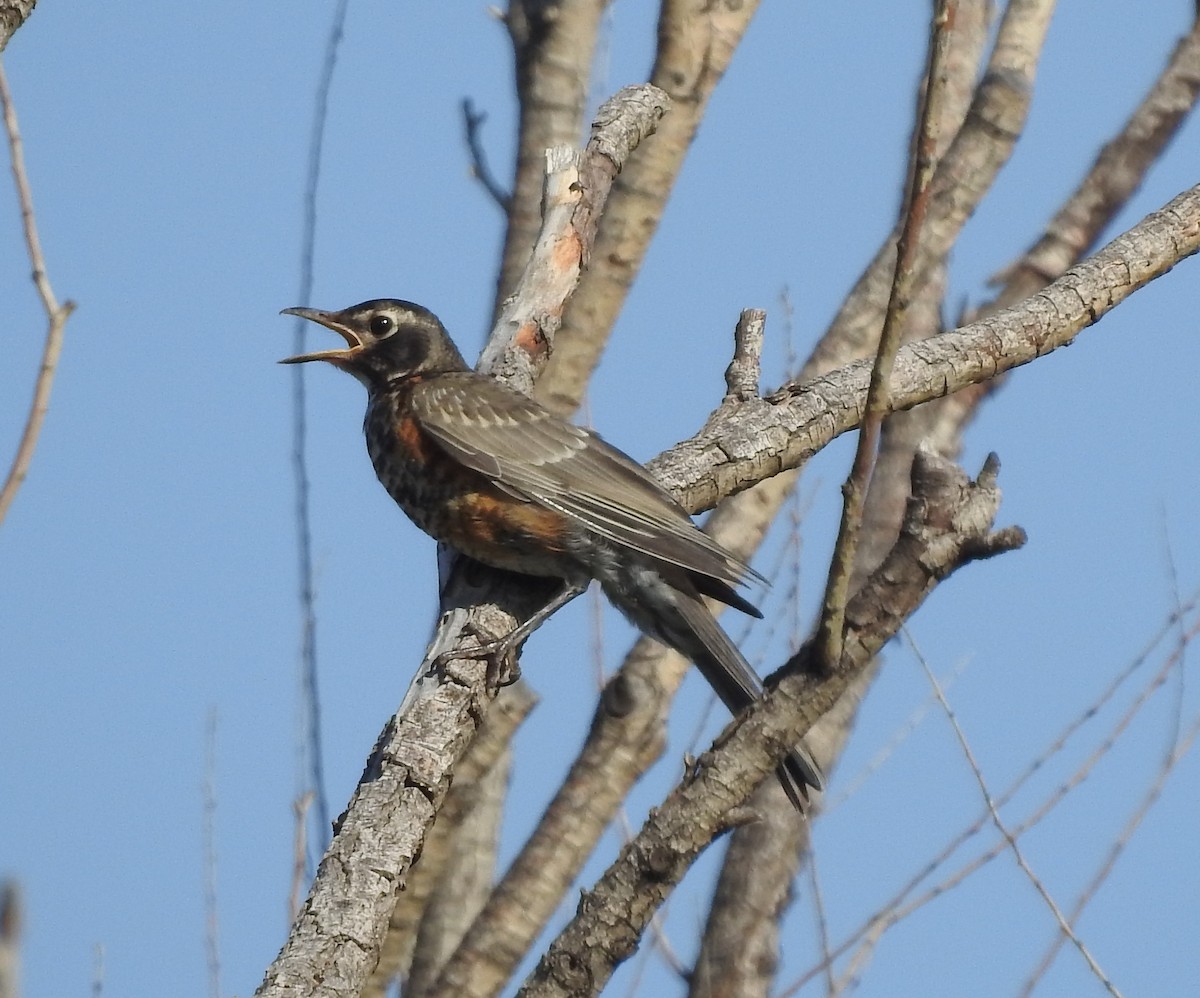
(386, 339)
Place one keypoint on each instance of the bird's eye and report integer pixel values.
(381, 326)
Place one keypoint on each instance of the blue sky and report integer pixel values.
(147, 570)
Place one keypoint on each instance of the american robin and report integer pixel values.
(504, 481)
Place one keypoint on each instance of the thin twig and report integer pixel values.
(1063, 924)
(1177, 601)
(472, 127)
(831, 630)
(899, 736)
(818, 900)
(1181, 749)
(56, 314)
(312, 775)
(895, 910)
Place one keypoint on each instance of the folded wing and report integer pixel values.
(541, 458)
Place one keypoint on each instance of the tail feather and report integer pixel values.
(738, 686)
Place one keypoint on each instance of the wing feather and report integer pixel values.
(531, 453)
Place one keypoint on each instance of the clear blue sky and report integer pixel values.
(147, 570)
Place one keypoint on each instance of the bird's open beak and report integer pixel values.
(331, 320)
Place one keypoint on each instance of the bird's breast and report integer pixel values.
(460, 506)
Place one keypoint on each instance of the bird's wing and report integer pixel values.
(541, 458)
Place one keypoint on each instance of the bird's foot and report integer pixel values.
(500, 656)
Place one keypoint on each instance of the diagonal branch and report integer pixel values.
(335, 942)
(56, 314)
(553, 43)
(12, 15)
(745, 442)
(949, 523)
(696, 42)
(1010, 840)
(916, 207)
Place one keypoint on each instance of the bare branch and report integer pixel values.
(742, 444)
(13, 14)
(310, 763)
(695, 45)
(916, 206)
(56, 314)
(553, 44)
(1151, 796)
(744, 371)
(948, 524)
(739, 950)
(575, 196)
(486, 756)
(473, 127)
(1009, 838)
(408, 775)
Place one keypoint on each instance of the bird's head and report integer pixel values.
(386, 339)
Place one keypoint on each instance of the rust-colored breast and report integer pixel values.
(497, 529)
(458, 505)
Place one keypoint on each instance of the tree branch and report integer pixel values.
(56, 314)
(746, 442)
(948, 525)
(334, 945)
(695, 45)
(13, 13)
(553, 44)
(916, 207)
(472, 127)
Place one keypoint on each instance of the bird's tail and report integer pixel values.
(671, 609)
(738, 685)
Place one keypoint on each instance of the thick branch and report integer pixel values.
(553, 44)
(695, 45)
(743, 443)
(335, 942)
(13, 14)
(949, 524)
(473, 775)
(575, 197)
(964, 175)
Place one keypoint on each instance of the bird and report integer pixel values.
(501, 479)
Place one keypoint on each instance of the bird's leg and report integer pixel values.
(503, 669)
